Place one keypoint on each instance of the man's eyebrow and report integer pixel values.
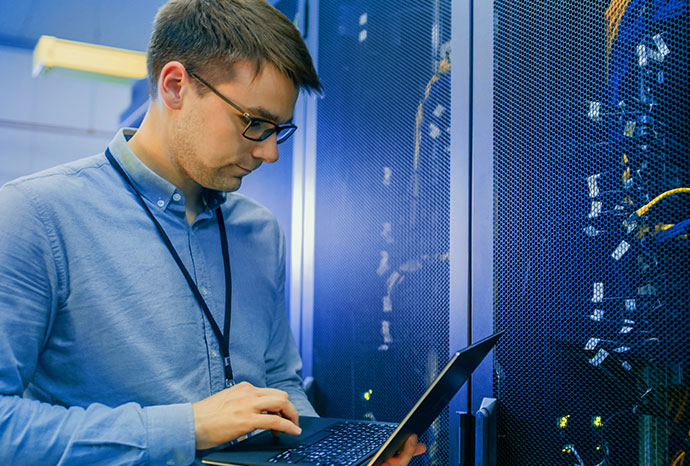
(263, 113)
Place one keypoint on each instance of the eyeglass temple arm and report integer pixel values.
(225, 99)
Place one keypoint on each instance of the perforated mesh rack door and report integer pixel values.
(591, 276)
(382, 210)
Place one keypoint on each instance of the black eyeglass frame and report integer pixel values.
(277, 129)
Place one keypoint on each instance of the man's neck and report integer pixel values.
(149, 148)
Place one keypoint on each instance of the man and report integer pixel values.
(134, 293)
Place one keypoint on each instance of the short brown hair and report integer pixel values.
(210, 36)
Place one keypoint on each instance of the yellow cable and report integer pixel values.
(643, 210)
(443, 68)
(679, 460)
(614, 15)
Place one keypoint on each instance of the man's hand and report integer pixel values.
(241, 409)
(411, 448)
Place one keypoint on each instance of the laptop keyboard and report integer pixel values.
(346, 444)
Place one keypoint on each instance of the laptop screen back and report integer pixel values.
(437, 396)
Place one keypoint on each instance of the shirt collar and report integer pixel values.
(150, 185)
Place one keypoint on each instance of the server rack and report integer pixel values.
(591, 254)
(382, 207)
(564, 135)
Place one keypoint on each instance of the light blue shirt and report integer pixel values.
(103, 347)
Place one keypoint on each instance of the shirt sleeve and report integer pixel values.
(283, 362)
(35, 432)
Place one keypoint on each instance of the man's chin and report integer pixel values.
(226, 183)
(229, 187)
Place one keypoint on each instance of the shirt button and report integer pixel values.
(214, 353)
(204, 291)
(176, 197)
(161, 203)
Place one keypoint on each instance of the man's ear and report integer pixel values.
(172, 83)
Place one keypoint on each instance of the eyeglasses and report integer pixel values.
(257, 129)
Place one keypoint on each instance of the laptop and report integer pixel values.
(342, 442)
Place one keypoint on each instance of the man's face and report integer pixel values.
(205, 141)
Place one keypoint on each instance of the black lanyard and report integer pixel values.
(223, 338)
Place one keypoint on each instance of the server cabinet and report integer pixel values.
(591, 208)
(586, 187)
(382, 209)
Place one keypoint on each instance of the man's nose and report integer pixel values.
(267, 150)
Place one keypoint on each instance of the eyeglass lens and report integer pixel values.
(259, 130)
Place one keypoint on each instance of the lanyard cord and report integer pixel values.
(223, 338)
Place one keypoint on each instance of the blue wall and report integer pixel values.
(45, 121)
